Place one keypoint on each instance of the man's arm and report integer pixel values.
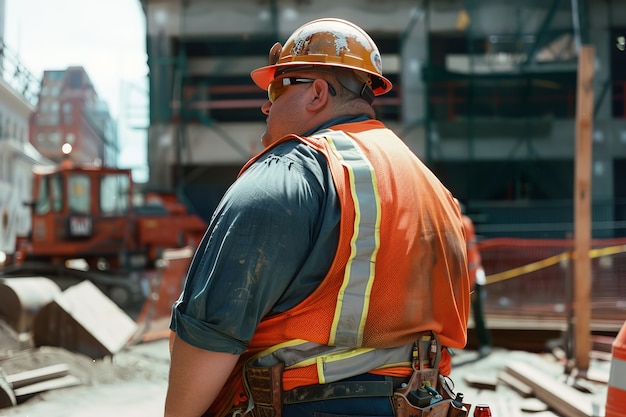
(196, 378)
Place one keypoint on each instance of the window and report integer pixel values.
(114, 194)
(67, 113)
(57, 193)
(76, 79)
(50, 194)
(79, 193)
(55, 138)
(42, 203)
(618, 62)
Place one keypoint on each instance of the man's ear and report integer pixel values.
(319, 95)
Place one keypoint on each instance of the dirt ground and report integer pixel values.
(131, 382)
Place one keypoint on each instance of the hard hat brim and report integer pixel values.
(263, 76)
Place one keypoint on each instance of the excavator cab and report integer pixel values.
(85, 226)
(81, 212)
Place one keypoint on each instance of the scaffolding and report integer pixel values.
(505, 89)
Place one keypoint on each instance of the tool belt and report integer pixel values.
(265, 388)
(426, 394)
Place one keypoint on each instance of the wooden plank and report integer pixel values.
(582, 207)
(481, 381)
(598, 375)
(34, 376)
(533, 405)
(518, 386)
(602, 343)
(7, 396)
(559, 396)
(62, 382)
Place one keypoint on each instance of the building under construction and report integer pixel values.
(485, 93)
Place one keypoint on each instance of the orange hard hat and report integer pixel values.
(326, 43)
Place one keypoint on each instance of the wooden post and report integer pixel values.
(582, 208)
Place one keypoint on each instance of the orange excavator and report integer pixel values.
(86, 225)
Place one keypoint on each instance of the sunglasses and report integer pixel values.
(278, 87)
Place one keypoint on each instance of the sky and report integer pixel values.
(107, 38)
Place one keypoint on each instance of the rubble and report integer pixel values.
(518, 383)
(132, 382)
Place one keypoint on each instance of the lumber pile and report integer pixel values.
(563, 398)
(17, 387)
(537, 389)
(53, 341)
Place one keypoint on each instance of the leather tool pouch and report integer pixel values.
(265, 387)
(427, 394)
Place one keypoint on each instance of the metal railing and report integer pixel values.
(17, 76)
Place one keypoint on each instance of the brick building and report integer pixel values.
(71, 120)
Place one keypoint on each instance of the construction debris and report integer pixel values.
(528, 384)
(82, 319)
(563, 398)
(21, 299)
(27, 383)
(32, 371)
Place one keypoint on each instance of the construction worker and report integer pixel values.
(333, 251)
(477, 282)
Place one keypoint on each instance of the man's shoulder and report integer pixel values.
(296, 150)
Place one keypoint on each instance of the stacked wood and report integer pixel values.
(17, 387)
(558, 395)
(518, 382)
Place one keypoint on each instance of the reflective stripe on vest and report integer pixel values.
(617, 374)
(353, 298)
(346, 334)
(345, 361)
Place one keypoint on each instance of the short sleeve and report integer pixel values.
(270, 242)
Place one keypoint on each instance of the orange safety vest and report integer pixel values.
(400, 268)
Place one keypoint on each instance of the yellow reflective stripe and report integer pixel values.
(260, 356)
(353, 298)
(344, 356)
(333, 362)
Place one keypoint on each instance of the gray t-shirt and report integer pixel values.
(269, 244)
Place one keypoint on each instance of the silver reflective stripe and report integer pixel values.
(617, 375)
(335, 367)
(345, 358)
(295, 353)
(353, 298)
(335, 363)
